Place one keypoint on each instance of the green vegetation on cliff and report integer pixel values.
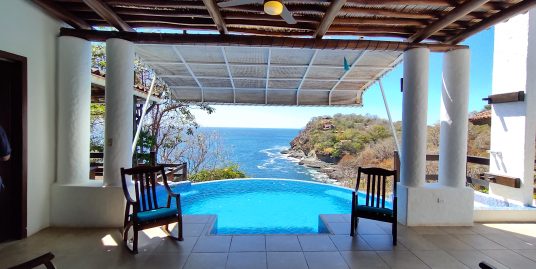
(363, 140)
(228, 172)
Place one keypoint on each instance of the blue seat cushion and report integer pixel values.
(156, 214)
(375, 210)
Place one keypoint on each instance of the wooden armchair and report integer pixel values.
(144, 212)
(45, 260)
(374, 207)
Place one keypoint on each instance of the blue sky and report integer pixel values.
(296, 117)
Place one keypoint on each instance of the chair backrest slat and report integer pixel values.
(383, 190)
(373, 184)
(144, 178)
(137, 190)
(153, 182)
(368, 189)
(142, 191)
(376, 181)
(148, 189)
(378, 190)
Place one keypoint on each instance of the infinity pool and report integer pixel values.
(265, 206)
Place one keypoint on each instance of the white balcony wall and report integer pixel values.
(513, 125)
(27, 31)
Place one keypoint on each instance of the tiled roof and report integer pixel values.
(482, 117)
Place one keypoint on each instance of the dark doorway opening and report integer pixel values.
(13, 89)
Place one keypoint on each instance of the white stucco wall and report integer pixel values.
(27, 31)
(513, 125)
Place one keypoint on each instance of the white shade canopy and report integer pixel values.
(267, 75)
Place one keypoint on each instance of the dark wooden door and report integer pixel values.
(13, 172)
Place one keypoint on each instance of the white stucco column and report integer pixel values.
(454, 106)
(74, 99)
(420, 203)
(414, 112)
(119, 102)
(513, 124)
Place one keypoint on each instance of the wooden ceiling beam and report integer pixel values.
(156, 3)
(372, 29)
(109, 15)
(200, 14)
(518, 8)
(435, 3)
(454, 15)
(253, 41)
(382, 21)
(440, 3)
(328, 18)
(91, 17)
(62, 14)
(389, 13)
(214, 12)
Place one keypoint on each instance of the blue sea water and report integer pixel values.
(257, 151)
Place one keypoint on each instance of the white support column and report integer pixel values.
(414, 121)
(76, 201)
(119, 102)
(74, 99)
(435, 204)
(454, 106)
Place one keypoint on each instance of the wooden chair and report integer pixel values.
(45, 260)
(144, 212)
(374, 207)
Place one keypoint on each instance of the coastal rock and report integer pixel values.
(298, 154)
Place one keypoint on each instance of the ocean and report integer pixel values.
(257, 152)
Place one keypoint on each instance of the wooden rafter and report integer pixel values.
(215, 13)
(62, 14)
(388, 12)
(328, 18)
(108, 15)
(456, 14)
(258, 41)
(492, 20)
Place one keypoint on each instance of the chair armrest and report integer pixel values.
(171, 194)
(354, 200)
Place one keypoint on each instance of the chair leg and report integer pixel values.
(135, 243)
(352, 225)
(394, 232)
(125, 232)
(179, 228)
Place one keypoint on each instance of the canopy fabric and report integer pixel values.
(267, 75)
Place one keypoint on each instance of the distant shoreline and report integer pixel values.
(326, 170)
(265, 128)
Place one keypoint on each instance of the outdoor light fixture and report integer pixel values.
(273, 7)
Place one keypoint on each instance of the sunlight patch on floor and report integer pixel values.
(528, 229)
(109, 241)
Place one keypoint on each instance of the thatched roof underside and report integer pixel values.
(387, 18)
(240, 55)
(268, 76)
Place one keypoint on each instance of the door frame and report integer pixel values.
(23, 63)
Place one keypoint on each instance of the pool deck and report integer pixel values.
(501, 245)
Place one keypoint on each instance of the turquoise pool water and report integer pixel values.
(265, 206)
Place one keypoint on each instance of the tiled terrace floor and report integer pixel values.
(501, 245)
